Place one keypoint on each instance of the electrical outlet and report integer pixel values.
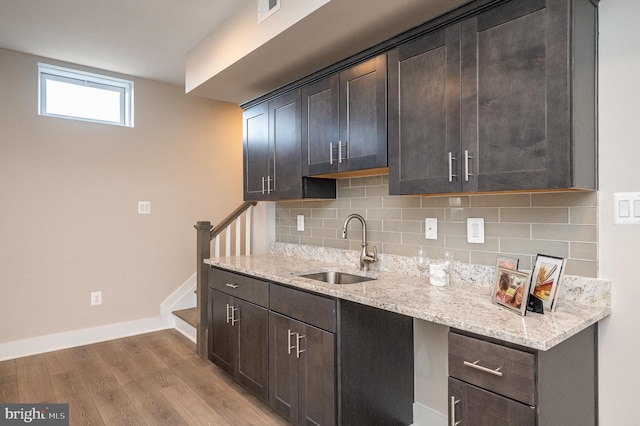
(431, 228)
(144, 207)
(300, 222)
(475, 230)
(96, 298)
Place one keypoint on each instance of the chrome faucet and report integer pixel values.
(365, 257)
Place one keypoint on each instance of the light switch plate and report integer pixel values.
(431, 228)
(144, 207)
(626, 207)
(300, 222)
(475, 230)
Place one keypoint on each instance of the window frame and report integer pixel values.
(123, 87)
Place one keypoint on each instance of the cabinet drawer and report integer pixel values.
(313, 309)
(506, 371)
(240, 286)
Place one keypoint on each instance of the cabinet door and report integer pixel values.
(283, 366)
(320, 130)
(239, 339)
(363, 116)
(222, 335)
(317, 377)
(515, 97)
(255, 144)
(284, 140)
(252, 356)
(424, 114)
(471, 405)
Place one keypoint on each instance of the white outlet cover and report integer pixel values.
(475, 230)
(431, 228)
(625, 208)
(144, 207)
(300, 222)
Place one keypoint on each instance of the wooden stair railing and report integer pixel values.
(205, 234)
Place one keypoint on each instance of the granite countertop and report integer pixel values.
(459, 305)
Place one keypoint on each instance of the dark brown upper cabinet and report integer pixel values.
(504, 100)
(271, 148)
(344, 120)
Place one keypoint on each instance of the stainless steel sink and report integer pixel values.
(334, 277)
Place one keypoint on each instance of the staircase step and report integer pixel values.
(189, 315)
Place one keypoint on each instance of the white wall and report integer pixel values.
(619, 245)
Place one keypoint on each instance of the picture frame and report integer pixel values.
(545, 278)
(507, 262)
(511, 290)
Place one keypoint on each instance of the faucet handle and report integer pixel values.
(369, 258)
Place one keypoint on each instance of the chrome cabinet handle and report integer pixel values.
(298, 350)
(263, 184)
(451, 159)
(269, 180)
(452, 414)
(466, 166)
(232, 285)
(330, 152)
(289, 335)
(339, 152)
(231, 314)
(475, 365)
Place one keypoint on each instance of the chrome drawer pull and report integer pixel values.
(452, 415)
(232, 285)
(289, 346)
(475, 365)
(298, 350)
(451, 159)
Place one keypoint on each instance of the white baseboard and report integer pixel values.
(70, 339)
(425, 416)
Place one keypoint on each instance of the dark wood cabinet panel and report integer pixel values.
(272, 153)
(496, 103)
(344, 120)
(256, 149)
(320, 126)
(303, 372)
(506, 384)
(471, 405)
(239, 339)
(283, 383)
(424, 114)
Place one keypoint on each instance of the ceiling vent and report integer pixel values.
(267, 8)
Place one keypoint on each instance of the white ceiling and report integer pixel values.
(150, 38)
(143, 38)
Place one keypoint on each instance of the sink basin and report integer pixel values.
(334, 277)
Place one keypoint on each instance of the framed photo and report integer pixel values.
(511, 290)
(545, 278)
(507, 262)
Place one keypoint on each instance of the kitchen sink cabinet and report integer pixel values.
(271, 152)
(239, 331)
(302, 371)
(491, 382)
(302, 366)
(504, 100)
(344, 120)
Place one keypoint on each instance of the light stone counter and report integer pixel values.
(464, 304)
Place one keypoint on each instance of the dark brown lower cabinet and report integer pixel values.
(471, 405)
(302, 367)
(494, 383)
(238, 336)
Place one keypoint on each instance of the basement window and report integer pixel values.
(80, 95)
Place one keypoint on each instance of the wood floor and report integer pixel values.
(150, 379)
